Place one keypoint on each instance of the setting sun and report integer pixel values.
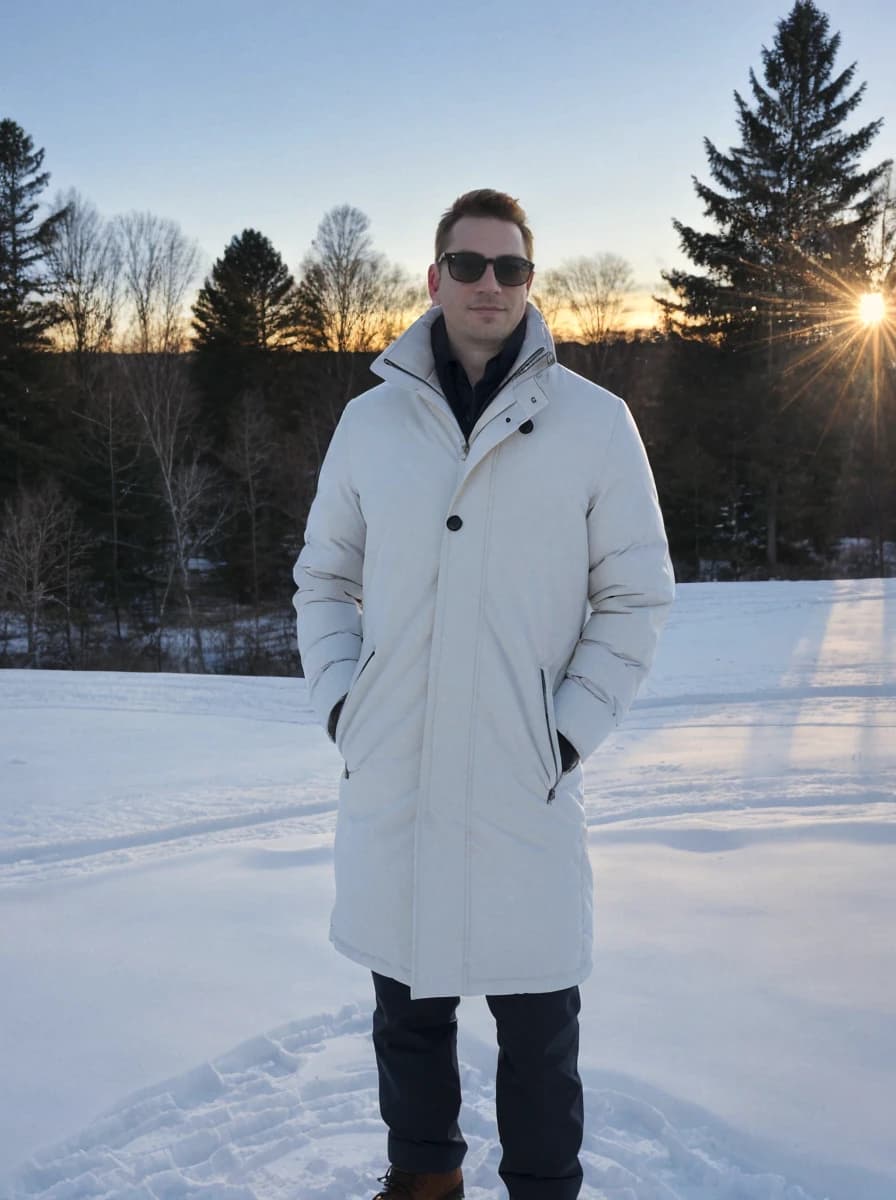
(872, 308)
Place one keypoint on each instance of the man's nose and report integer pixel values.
(488, 281)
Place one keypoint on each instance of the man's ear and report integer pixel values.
(433, 278)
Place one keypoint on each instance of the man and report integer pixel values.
(483, 581)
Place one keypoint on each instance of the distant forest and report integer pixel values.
(158, 457)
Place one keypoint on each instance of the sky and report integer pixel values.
(226, 116)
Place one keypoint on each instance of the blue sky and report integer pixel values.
(227, 115)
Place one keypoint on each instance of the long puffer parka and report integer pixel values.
(471, 600)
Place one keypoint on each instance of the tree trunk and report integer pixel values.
(113, 496)
(771, 547)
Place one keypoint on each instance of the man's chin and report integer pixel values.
(489, 325)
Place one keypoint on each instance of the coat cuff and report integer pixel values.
(586, 720)
(569, 756)
(333, 719)
(330, 687)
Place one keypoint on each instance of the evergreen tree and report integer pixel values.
(248, 300)
(245, 311)
(24, 242)
(24, 315)
(792, 211)
(792, 208)
(244, 318)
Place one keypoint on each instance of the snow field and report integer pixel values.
(165, 884)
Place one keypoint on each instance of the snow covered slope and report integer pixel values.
(173, 1021)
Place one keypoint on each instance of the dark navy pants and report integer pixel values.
(538, 1090)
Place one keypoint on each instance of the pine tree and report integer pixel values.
(245, 312)
(24, 315)
(23, 241)
(793, 207)
(244, 318)
(248, 300)
(792, 210)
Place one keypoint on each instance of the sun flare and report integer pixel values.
(872, 308)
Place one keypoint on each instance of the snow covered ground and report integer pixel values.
(174, 1023)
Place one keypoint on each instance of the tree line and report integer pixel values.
(158, 458)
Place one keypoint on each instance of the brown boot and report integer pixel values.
(442, 1185)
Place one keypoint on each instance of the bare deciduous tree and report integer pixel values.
(590, 293)
(250, 448)
(110, 436)
(159, 263)
(43, 549)
(548, 299)
(189, 489)
(83, 265)
(351, 298)
(881, 240)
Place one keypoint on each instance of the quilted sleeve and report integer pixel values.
(328, 576)
(630, 588)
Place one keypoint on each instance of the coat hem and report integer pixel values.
(475, 985)
(371, 961)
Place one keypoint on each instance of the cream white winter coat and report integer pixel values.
(471, 600)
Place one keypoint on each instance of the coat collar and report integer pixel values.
(409, 364)
(410, 357)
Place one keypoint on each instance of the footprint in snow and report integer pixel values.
(293, 1115)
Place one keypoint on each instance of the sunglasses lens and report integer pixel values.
(511, 271)
(466, 266)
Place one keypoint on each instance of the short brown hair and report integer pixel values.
(484, 202)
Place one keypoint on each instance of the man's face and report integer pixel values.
(483, 312)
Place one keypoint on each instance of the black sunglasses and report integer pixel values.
(466, 266)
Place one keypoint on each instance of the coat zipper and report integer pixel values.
(465, 448)
(364, 667)
(391, 363)
(346, 772)
(530, 362)
(522, 369)
(547, 722)
(533, 358)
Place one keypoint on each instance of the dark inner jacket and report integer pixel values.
(468, 402)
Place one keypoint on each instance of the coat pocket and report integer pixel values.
(350, 707)
(555, 768)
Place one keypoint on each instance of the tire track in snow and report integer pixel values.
(770, 695)
(257, 698)
(754, 802)
(652, 794)
(755, 810)
(294, 1113)
(49, 852)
